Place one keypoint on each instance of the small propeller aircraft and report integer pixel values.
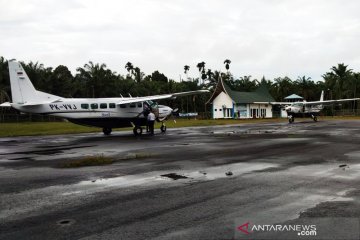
(106, 113)
(307, 109)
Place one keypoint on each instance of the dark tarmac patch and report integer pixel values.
(333, 209)
(49, 151)
(22, 159)
(270, 169)
(174, 176)
(65, 222)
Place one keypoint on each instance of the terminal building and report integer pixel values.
(226, 103)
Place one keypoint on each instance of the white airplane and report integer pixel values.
(307, 109)
(106, 113)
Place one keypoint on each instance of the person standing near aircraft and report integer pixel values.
(151, 121)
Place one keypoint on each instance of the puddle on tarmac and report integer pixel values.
(174, 176)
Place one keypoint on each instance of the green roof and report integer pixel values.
(260, 95)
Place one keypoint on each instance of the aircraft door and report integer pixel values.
(153, 107)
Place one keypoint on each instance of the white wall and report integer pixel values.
(224, 100)
(219, 101)
(267, 108)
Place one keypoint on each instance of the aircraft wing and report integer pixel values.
(274, 103)
(162, 96)
(326, 102)
(329, 102)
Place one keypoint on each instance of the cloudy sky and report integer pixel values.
(261, 37)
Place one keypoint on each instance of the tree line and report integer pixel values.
(96, 80)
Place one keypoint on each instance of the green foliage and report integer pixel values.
(96, 80)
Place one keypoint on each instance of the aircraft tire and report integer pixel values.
(291, 120)
(137, 130)
(107, 131)
(315, 119)
(163, 128)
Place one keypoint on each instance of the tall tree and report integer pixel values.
(201, 67)
(339, 80)
(62, 82)
(186, 69)
(227, 64)
(130, 68)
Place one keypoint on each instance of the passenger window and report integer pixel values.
(85, 106)
(133, 105)
(122, 105)
(112, 105)
(103, 105)
(139, 105)
(94, 106)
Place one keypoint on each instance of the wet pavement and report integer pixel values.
(190, 183)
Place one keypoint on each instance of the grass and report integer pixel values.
(53, 128)
(96, 160)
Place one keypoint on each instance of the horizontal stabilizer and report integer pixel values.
(39, 103)
(5, 104)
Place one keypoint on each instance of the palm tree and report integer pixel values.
(138, 74)
(130, 68)
(186, 68)
(339, 79)
(201, 67)
(227, 64)
(304, 85)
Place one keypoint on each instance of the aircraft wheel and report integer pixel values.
(107, 131)
(315, 119)
(163, 128)
(137, 130)
(291, 120)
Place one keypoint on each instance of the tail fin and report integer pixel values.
(22, 90)
(322, 96)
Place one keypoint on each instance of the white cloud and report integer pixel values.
(264, 37)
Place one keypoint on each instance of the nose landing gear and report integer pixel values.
(107, 131)
(163, 128)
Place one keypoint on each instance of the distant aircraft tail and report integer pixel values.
(322, 96)
(321, 100)
(22, 90)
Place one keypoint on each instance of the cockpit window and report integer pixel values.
(152, 104)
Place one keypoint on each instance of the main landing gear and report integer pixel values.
(314, 118)
(291, 119)
(137, 130)
(107, 131)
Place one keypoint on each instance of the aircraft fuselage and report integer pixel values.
(99, 112)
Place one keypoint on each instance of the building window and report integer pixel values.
(103, 105)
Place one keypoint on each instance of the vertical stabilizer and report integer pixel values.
(322, 96)
(22, 89)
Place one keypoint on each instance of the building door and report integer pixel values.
(253, 113)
